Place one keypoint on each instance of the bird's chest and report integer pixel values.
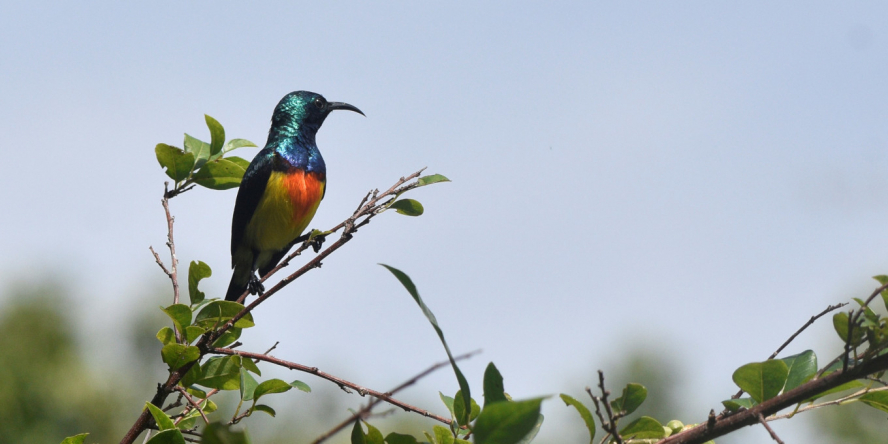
(289, 203)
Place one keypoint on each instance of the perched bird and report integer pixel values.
(280, 191)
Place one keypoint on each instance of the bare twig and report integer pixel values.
(342, 383)
(609, 425)
(364, 412)
(193, 404)
(764, 422)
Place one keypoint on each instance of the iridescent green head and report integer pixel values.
(301, 113)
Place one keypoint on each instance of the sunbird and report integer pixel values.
(280, 191)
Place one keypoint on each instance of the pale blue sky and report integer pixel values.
(668, 172)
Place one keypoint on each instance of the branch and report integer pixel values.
(193, 404)
(609, 426)
(731, 422)
(364, 412)
(342, 383)
(764, 423)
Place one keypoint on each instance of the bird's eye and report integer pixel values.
(319, 102)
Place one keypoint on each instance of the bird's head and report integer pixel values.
(303, 112)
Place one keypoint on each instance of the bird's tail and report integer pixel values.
(240, 280)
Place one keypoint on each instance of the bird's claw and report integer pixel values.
(255, 286)
(317, 242)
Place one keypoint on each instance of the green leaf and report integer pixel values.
(762, 380)
(463, 384)
(177, 355)
(217, 134)
(846, 386)
(78, 439)
(357, 435)
(397, 438)
(178, 163)
(643, 428)
(374, 436)
(264, 408)
(877, 400)
(199, 148)
(221, 373)
(493, 385)
(173, 436)
(735, 404)
(448, 402)
(272, 386)
(163, 421)
(430, 179)
(197, 271)
(217, 313)
(219, 433)
(209, 406)
(234, 144)
(301, 386)
(633, 396)
(241, 162)
(166, 336)
(533, 432)
(443, 435)
(802, 367)
(220, 174)
(251, 366)
(193, 332)
(407, 207)
(180, 314)
(584, 413)
(506, 422)
(476, 410)
(193, 374)
(248, 384)
(228, 338)
(459, 409)
(840, 323)
(197, 393)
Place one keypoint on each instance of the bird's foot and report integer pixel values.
(317, 242)
(255, 286)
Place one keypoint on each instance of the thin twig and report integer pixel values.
(769, 429)
(342, 383)
(364, 412)
(852, 322)
(188, 397)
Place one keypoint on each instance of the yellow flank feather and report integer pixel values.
(287, 207)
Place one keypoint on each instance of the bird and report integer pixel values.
(280, 191)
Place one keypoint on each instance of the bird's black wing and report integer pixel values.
(252, 188)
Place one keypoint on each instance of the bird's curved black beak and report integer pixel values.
(341, 105)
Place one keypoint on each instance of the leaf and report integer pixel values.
(846, 386)
(180, 314)
(193, 374)
(407, 207)
(430, 179)
(218, 433)
(197, 271)
(271, 386)
(301, 386)
(220, 174)
(374, 436)
(217, 134)
(199, 148)
(397, 438)
(643, 428)
(221, 373)
(248, 384)
(476, 410)
(177, 355)
(443, 435)
(234, 144)
(448, 402)
(762, 380)
(459, 409)
(197, 393)
(217, 313)
(463, 384)
(173, 436)
(193, 332)
(877, 400)
(228, 338)
(633, 396)
(533, 432)
(735, 404)
(243, 163)
(78, 439)
(506, 422)
(264, 408)
(178, 163)
(584, 413)
(166, 336)
(251, 366)
(357, 435)
(802, 367)
(840, 323)
(163, 421)
(493, 385)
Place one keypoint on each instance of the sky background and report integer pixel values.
(686, 176)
